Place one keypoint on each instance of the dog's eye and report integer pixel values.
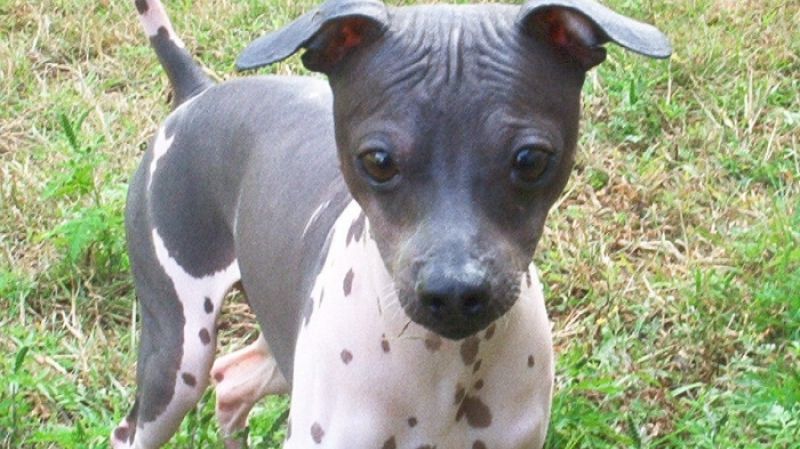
(530, 162)
(378, 165)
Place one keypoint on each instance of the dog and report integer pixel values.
(381, 225)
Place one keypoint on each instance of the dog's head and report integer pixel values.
(456, 128)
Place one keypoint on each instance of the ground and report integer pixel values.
(671, 262)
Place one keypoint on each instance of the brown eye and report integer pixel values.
(530, 162)
(378, 165)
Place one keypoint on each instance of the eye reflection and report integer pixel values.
(378, 165)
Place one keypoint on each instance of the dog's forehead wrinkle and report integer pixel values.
(407, 74)
(438, 45)
(455, 54)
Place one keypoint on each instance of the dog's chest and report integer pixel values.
(366, 376)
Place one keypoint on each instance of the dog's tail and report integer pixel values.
(186, 77)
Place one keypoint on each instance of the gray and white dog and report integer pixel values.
(381, 225)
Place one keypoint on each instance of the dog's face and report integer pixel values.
(456, 132)
(456, 129)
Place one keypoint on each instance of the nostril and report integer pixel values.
(434, 303)
(453, 295)
(473, 305)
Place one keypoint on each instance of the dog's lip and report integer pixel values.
(449, 329)
(455, 332)
(456, 335)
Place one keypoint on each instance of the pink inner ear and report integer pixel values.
(556, 30)
(572, 33)
(350, 37)
(334, 42)
(567, 28)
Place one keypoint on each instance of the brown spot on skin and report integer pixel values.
(317, 433)
(207, 305)
(142, 6)
(205, 337)
(347, 356)
(219, 376)
(121, 433)
(478, 444)
(390, 444)
(531, 361)
(348, 282)
(490, 331)
(478, 385)
(469, 350)
(356, 228)
(385, 344)
(528, 278)
(433, 342)
(476, 366)
(476, 412)
(412, 421)
(460, 393)
(188, 379)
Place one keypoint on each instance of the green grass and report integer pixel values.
(671, 265)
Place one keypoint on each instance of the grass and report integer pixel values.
(671, 265)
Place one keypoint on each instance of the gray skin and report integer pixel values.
(451, 94)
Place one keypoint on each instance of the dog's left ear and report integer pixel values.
(579, 28)
(328, 33)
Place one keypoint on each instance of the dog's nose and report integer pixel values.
(458, 296)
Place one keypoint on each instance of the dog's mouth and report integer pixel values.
(457, 288)
(456, 331)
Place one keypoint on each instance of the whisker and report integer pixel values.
(397, 312)
(405, 328)
(388, 297)
(389, 303)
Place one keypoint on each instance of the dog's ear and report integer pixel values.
(579, 28)
(328, 33)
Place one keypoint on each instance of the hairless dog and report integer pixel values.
(382, 224)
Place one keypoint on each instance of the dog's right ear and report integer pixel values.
(328, 33)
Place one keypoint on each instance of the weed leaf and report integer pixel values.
(23, 351)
